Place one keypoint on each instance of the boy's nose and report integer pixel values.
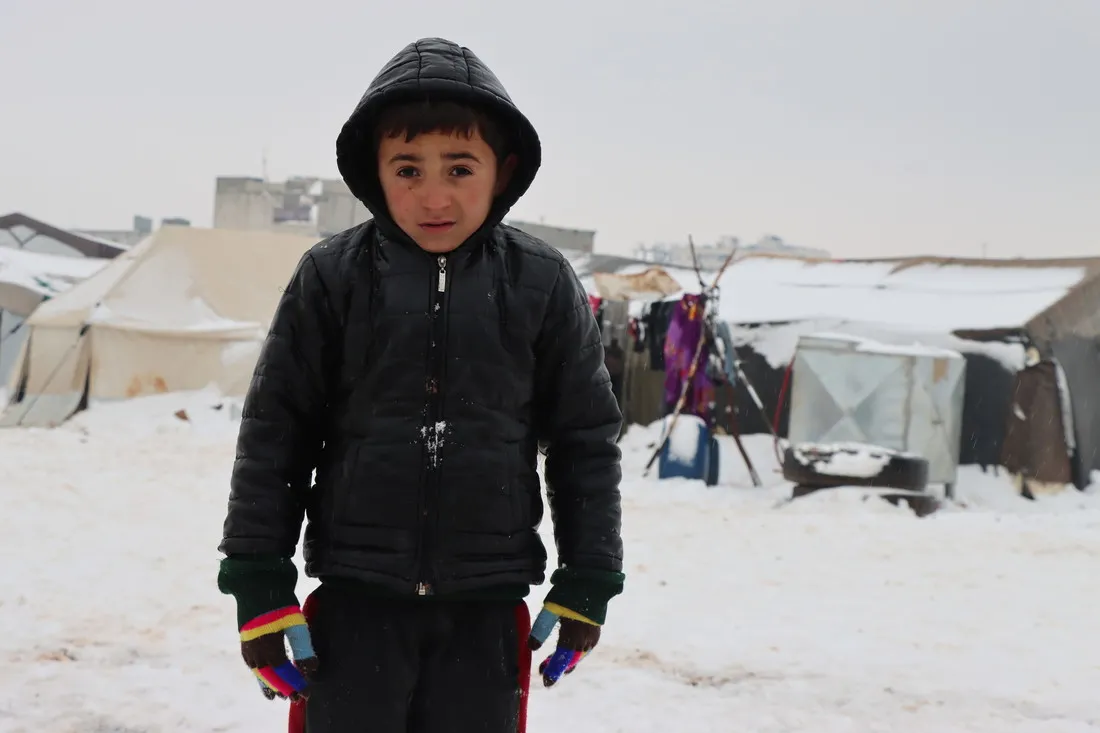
(434, 196)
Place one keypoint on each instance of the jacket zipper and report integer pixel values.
(433, 434)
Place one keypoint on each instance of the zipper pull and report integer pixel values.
(442, 273)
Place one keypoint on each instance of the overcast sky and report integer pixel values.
(866, 127)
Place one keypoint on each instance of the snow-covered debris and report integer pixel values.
(857, 460)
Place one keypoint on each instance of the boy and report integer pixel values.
(416, 362)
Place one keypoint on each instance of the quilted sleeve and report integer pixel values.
(580, 423)
(282, 422)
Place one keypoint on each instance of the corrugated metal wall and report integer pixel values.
(644, 389)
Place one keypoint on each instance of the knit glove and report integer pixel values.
(577, 604)
(267, 613)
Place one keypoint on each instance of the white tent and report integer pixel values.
(184, 309)
(28, 278)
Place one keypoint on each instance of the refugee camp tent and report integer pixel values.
(39, 261)
(653, 283)
(20, 231)
(988, 310)
(28, 278)
(184, 309)
(592, 268)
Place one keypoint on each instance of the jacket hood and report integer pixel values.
(433, 68)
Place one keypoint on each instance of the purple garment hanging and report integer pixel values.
(684, 331)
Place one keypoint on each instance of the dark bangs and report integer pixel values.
(450, 118)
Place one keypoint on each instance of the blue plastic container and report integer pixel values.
(686, 452)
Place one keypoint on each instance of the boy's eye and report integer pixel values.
(406, 172)
(461, 170)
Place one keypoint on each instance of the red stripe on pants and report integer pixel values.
(523, 630)
(297, 717)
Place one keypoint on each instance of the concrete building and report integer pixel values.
(323, 206)
(313, 206)
(574, 240)
(142, 228)
(712, 255)
(770, 244)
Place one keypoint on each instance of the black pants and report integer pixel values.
(417, 665)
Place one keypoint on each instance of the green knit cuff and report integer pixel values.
(259, 584)
(586, 592)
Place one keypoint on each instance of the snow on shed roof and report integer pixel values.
(926, 294)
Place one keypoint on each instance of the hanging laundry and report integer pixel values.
(594, 303)
(636, 330)
(656, 321)
(684, 331)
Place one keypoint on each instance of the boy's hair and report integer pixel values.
(417, 118)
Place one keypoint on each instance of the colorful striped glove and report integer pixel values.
(576, 637)
(268, 613)
(577, 605)
(264, 652)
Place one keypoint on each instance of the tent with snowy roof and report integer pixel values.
(39, 261)
(20, 231)
(184, 309)
(28, 278)
(991, 311)
(597, 273)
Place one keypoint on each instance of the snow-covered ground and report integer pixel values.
(835, 612)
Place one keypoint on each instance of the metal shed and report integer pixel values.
(908, 398)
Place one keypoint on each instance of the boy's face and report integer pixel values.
(439, 187)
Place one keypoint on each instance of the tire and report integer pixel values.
(922, 505)
(900, 472)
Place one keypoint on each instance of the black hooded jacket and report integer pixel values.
(418, 387)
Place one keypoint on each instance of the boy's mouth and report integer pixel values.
(436, 226)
